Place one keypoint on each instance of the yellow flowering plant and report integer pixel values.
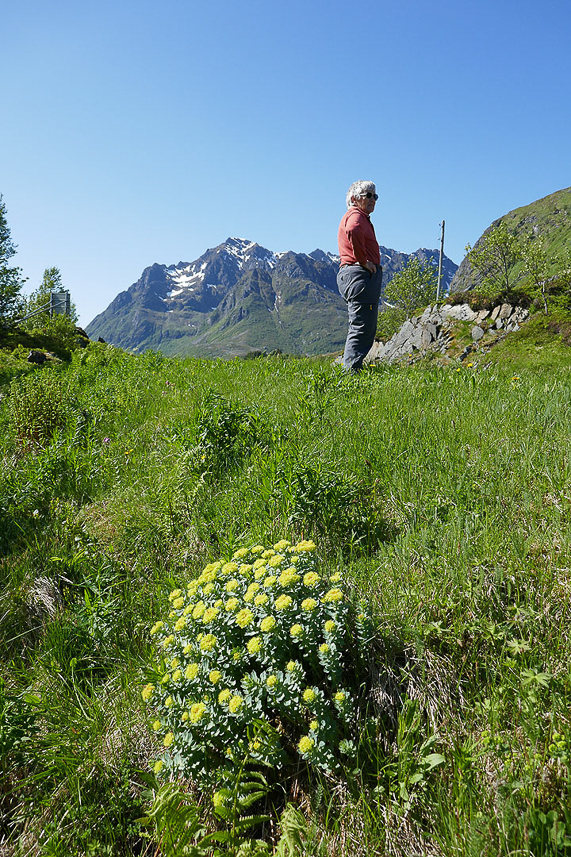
(264, 666)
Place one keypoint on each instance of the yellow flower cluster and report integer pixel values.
(250, 614)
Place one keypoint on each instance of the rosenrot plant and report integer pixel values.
(258, 660)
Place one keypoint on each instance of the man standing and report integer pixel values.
(360, 276)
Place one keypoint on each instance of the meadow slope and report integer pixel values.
(441, 494)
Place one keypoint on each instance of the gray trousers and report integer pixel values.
(361, 292)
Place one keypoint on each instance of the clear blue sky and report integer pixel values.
(141, 132)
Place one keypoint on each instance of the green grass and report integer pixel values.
(442, 495)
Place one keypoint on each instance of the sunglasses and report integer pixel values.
(375, 196)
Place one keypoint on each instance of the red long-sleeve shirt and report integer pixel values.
(357, 240)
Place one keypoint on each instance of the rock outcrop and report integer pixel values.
(435, 331)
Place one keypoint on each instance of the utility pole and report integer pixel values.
(440, 262)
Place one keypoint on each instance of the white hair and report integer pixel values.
(359, 189)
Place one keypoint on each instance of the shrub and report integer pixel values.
(38, 407)
(259, 659)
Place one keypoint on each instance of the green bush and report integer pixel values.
(38, 407)
(391, 319)
(259, 659)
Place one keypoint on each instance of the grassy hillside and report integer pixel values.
(549, 217)
(440, 494)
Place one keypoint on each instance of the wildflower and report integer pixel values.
(192, 587)
(158, 766)
(210, 615)
(330, 626)
(254, 645)
(106, 440)
(271, 681)
(305, 546)
(178, 603)
(275, 561)
(267, 624)
(245, 569)
(176, 593)
(282, 545)
(187, 649)
(288, 577)
(469, 365)
(340, 696)
(157, 627)
(168, 641)
(197, 712)
(156, 725)
(177, 675)
(270, 581)
(311, 578)
(235, 704)
(296, 631)
(208, 643)
(260, 572)
(224, 695)
(231, 605)
(314, 725)
(244, 617)
(180, 623)
(251, 591)
(309, 695)
(230, 568)
(305, 745)
(283, 602)
(259, 563)
(261, 600)
(185, 716)
(208, 588)
(232, 585)
(147, 692)
(293, 666)
(240, 554)
(214, 676)
(219, 799)
(308, 604)
(268, 553)
(209, 574)
(324, 649)
(257, 549)
(333, 595)
(169, 702)
(169, 738)
(166, 678)
(199, 610)
(335, 578)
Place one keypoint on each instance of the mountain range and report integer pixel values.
(239, 297)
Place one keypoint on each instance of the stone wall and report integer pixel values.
(433, 331)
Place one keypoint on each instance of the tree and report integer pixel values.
(494, 258)
(11, 279)
(413, 287)
(536, 265)
(40, 300)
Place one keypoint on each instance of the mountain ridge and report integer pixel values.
(237, 297)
